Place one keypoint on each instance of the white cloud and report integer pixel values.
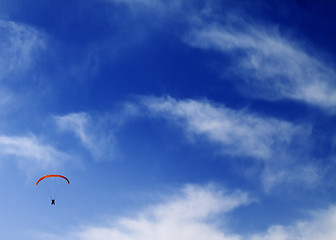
(6, 97)
(271, 65)
(160, 8)
(95, 133)
(30, 153)
(240, 132)
(18, 44)
(145, 3)
(321, 227)
(163, 13)
(189, 215)
(197, 214)
(303, 175)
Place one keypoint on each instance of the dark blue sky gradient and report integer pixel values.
(135, 100)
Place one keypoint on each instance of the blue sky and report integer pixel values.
(172, 119)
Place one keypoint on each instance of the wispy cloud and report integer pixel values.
(241, 133)
(18, 47)
(299, 174)
(321, 226)
(31, 153)
(270, 65)
(95, 133)
(144, 3)
(178, 12)
(193, 215)
(6, 97)
(188, 215)
(159, 8)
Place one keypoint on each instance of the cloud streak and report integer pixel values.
(321, 226)
(30, 153)
(188, 215)
(18, 47)
(270, 65)
(240, 133)
(192, 214)
(95, 133)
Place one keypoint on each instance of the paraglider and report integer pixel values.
(52, 183)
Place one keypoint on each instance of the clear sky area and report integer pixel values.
(172, 120)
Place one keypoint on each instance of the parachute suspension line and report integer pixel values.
(56, 188)
(52, 184)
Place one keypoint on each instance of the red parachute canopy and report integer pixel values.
(53, 175)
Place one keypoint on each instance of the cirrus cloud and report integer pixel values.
(270, 65)
(193, 214)
(240, 132)
(31, 153)
(189, 215)
(278, 144)
(95, 133)
(18, 47)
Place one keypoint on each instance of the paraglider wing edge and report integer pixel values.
(53, 175)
